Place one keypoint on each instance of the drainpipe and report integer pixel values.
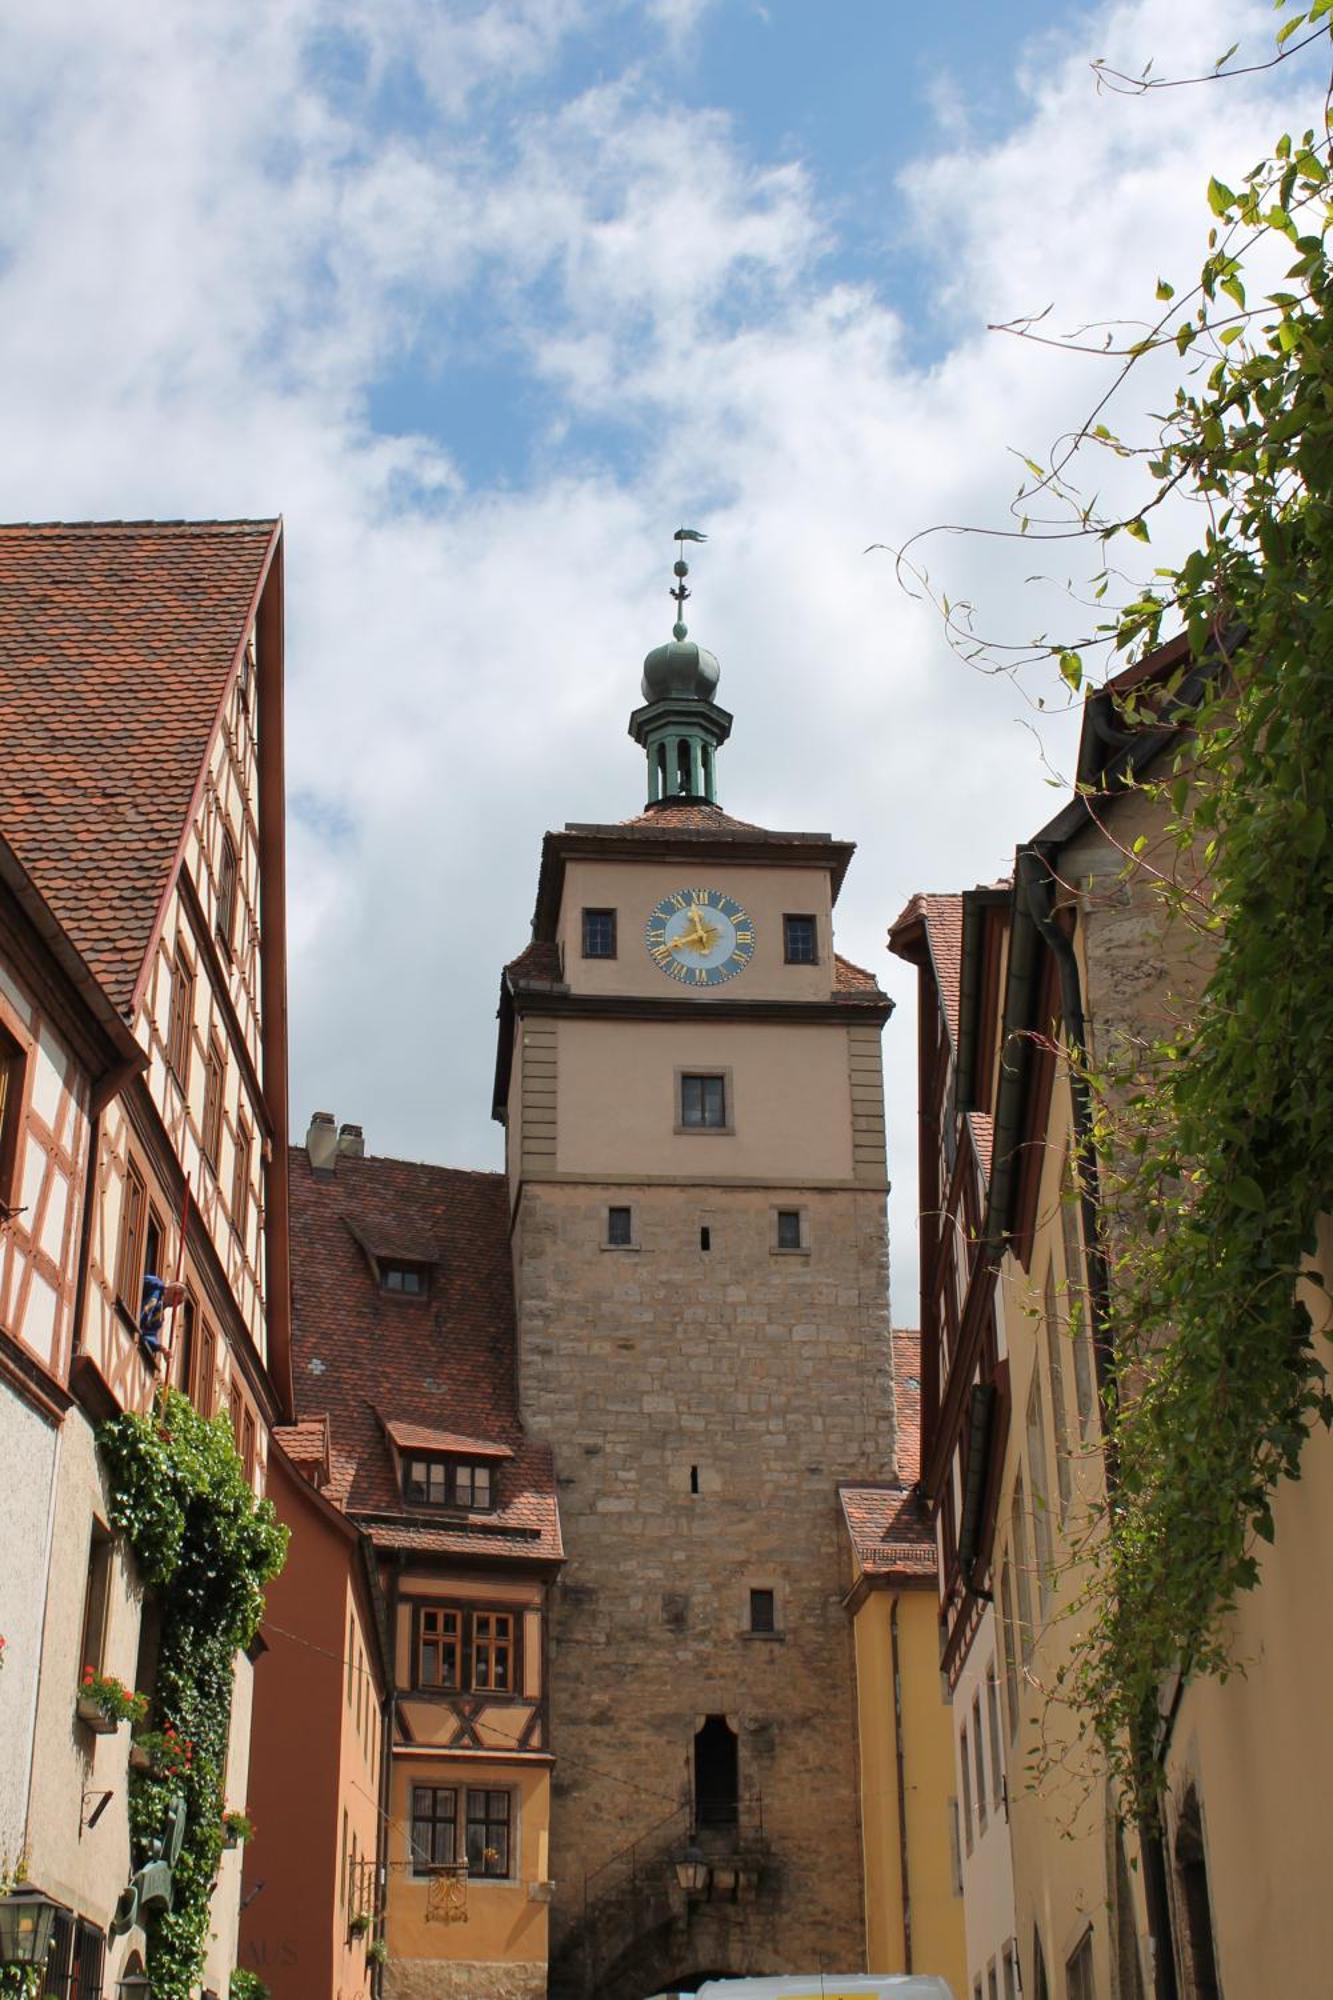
(1038, 880)
(902, 1785)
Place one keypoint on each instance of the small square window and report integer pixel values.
(599, 933)
(620, 1228)
(763, 1611)
(703, 1103)
(406, 1280)
(789, 1229)
(800, 941)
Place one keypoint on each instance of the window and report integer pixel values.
(1018, 1535)
(11, 1112)
(763, 1611)
(599, 933)
(1041, 1490)
(1009, 1963)
(993, 1719)
(130, 1253)
(201, 1392)
(461, 1651)
(227, 873)
(1192, 1881)
(800, 941)
(992, 1982)
(488, 1817)
(185, 1369)
(215, 1070)
(97, 1599)
(351, 1655)
(248, 1454)
(1010, 1651)
(966, 1763)
(1079, 1982)
(1058, 1412)
(240, 1179)
(620, 1228)
(789, 1229)
(74, 1963)
(180, 1023)
(440, 1482)
(979, 1755)
(342, 1866)
(1076, 1301)
(703, 1103)
(409, 1281)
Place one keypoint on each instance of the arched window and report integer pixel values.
(660, 793)
(1192, 1882)
(683, 776)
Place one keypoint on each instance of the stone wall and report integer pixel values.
(459, 1979)
(703, 1405)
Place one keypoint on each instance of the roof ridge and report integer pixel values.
(251, 521)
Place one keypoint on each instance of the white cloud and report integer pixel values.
(222, 233)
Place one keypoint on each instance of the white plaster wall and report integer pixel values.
(28, 1451)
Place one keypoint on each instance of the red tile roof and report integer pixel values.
(116, 643)
(444, 1365)
(907, 1404)
(941, 917)
(890, 1531)
(849, 978)
(692, 817)
(307, 1445)
(538, 964)
(420, 1437)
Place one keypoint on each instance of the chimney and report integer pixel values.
(321, 1143)
(351, 1142)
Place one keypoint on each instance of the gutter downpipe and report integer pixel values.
(902, 1784)
(1038, 877)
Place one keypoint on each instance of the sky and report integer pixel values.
(486, 297)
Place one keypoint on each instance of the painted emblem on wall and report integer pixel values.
(699, 937)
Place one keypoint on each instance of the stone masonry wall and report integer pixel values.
(762, 1378)
(458, 1979)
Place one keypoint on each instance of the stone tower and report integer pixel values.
(690, 1082)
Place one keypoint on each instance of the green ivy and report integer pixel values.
(1220, 1144)
(180, 1496)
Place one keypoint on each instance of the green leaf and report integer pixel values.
(1220, 197)
(1247, 1193)
(1288, 29)
(1138, 528)
(1165, 290)
(1071, 670)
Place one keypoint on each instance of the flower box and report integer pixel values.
(140, 1757)
(95, 1716)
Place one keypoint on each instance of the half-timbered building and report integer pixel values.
(142, 1112)
(405, 1363)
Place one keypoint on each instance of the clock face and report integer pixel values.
(699, 937)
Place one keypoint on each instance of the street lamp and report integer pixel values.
(26, 1920)
(134, 1984)
(692, 1871)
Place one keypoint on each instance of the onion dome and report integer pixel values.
(682, 667)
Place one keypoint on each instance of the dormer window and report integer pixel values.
(406, 1280)
(447, 1482)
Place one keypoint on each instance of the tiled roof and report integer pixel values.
(537, 964)
(849, 978)
(420, 1437)
(941, 917)
(444, 1365)
(907, 1404)
(890, 1530)
(692, 817)
(116, 641)
(307, 1445)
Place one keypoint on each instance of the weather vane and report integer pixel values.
(681, 570)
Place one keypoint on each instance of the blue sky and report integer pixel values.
(484, 299)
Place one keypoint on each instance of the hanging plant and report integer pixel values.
(180, 1496)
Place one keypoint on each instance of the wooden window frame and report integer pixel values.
(763, 1603)
(180, 1018)
(215, 1092)
(240, 1177)
(229, 878)
(463, 1642)
(132, 1241)
(791, 918)
(697, 1129)
(436, 1819)
(14, 1054)
(453, 1481)
(591, 917)
(482, 1815)
(389, 1267)
(97, 1598)
(202, 1389)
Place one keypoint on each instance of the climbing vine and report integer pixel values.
(1219, 1140)
(180, 1496)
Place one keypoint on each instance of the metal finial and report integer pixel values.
(681, 569)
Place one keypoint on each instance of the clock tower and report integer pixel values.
(689, 1079)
